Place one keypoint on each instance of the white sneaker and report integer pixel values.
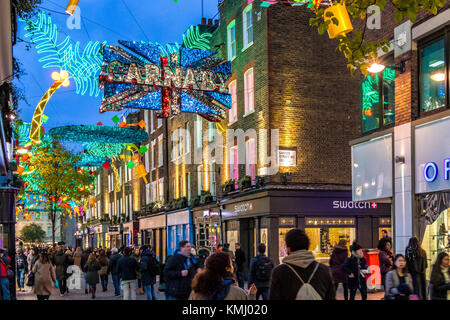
(62, 294)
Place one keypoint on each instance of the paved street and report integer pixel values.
(109, 295)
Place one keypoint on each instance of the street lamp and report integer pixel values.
(376, 67)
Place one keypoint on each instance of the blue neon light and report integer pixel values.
(435, 171)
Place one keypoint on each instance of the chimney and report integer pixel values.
(216, 22)
(209, 22)
(203, 21)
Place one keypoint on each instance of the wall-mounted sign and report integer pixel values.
(338, 204)
(287, 158)
(113, 229)
(248, 206)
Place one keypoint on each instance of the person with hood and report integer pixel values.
(416, 260)
(216, 281)
(386, 259)
(91, 268)
(179, 271)
(337, 259)
(240, 260)
(356, 268)
(440, 278)
(149, 269)
(103, 273)
(5, 264)
(259, 272)
(77, 256)
(127, 268)
(21, 269)
(61, 262)
(300, 263)
(44, 277)
(113, 268)
(399, 282)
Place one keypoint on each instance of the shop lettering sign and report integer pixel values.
(243, 207)
(337, 204)
(431, 171)
(113, 229)
(287, 158)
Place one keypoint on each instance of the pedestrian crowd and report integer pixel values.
(191, 275)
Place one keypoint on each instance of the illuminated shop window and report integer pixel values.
(432, 76)
(378, 99)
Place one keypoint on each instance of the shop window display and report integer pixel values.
(208, 232)
(323, 240)
(281, 243)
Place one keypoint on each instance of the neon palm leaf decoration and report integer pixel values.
(83, 65)
(193, 39)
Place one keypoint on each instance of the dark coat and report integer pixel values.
(284, 284)
(386, 261)
(337, 259)
(240, 259)
(417, 266)
(113, 265)
(176, 285)
(91, 269)
(84, 259)
(351, 266)
(252, 272)
(438, 285)
(21, 262)
(147, 259)
(61, 261)
(127, 267)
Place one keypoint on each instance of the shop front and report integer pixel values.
(179, 227)
(326, 217)
(153, 232)
(101, 239)
(92, 243)
(130, 233)
(115, 236)
(207, 226)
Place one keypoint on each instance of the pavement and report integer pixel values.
(78, 294)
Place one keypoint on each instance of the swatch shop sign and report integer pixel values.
(338, 204)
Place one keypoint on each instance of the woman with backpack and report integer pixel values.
(216, 281)
(149, 268)
(356, 268)
(259, 272)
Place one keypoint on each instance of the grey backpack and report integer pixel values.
(306, 291)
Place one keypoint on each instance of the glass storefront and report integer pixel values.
(207, 232)
(322, 240)
(107, 241)
(282, 250)
(232, 239)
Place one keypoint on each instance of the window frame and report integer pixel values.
(444, 33)
(246, 27)
(234, 103)
(247, 109)
(231, 26)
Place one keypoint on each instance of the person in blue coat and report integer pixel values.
(356, 267)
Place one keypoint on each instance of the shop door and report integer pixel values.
(246, 239)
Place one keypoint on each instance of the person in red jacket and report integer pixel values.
(5, 264)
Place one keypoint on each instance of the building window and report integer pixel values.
(212, 180)
(198, 132)
(180, 142)
(432, 76)
(160, 122)
(378, 100)
(249, 91)
(247, 26)
(231, 40)
(211, 131)
(200, 179)
(153, 154)
(161, 189)
(110, 182)
(188, 186)
(130, 206)
(120, 174)
(154, 191)
(232, 113)
(250, 159)
(187, 138)
(234, 166)
(160, 151)
(152, 127)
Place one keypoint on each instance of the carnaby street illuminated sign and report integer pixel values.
(337, 204)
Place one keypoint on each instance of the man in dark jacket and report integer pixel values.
(356, 268)
(113, 267)
(285, 283)
(84, 259)
(22, 269)
(61, 262)
(337, 259)
(179, 271)
(127, 267)
(259, 272)
(240, 259)
(149, 269)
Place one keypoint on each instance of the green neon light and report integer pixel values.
(194, 40)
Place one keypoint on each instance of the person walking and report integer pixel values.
(299, 268)
(356, 267)
(44, 276)
(5, 264)
(136, 254)
(240, 260)
(61, 262)
(32, 258)
(416, 261)
(337, 259)
(113, 268)
(21, 269)
(399, 283)
(440, 278)
(103, 272)
(259, 272)
(84, 259)
(127, 267)
(149, 268)
(386, 259)
(216, 281)
(226, 249)
(179, 271)
(77, 256)
(92, 277)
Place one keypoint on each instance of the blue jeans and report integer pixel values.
(104, 281)
(240, 278)
(4, 281)
(116, 282)
(21, 278)
(150, 292)
(264, 292)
